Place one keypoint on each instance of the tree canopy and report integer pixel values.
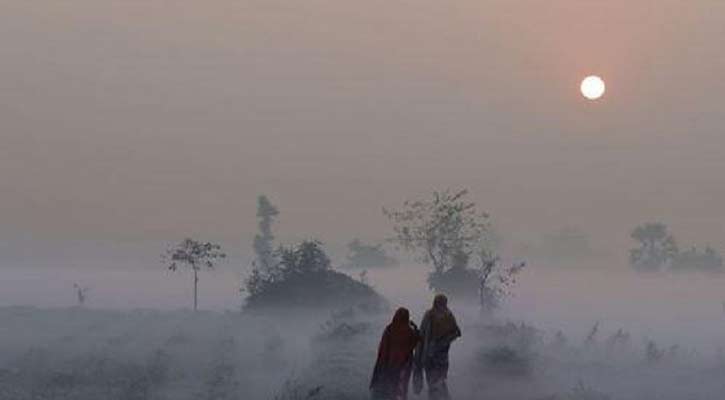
(656, 248)
(448, 232)
(264, 240)
(443, 230)
(195, 255)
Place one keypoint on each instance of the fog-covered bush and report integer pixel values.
(508, 349)
(656, 247)
(304, 278)
(692, 259)
(459, 283)
(365, 256)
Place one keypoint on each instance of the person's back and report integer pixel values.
(438, 330)
(395, 356)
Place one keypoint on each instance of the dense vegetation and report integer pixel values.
(302, 278)
(299, 276)
(449, 232)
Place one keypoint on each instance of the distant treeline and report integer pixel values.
(658, 250)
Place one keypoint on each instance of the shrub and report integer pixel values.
(513, 352)
(364, 256)
(304, 279)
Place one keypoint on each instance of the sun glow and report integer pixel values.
(592, 87)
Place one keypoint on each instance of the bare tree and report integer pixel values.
(81, 294)
(592, 336)
(494, 280)
(194, 255)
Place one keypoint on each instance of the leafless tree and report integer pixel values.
(494, 280)
(81, 293)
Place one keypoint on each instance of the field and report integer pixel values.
(79, 354)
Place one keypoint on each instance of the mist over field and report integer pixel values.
(228, 200)
(136, 338)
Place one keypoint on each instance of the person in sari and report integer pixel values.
(438, 330)
(395, 358)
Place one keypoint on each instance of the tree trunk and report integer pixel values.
(196, 284)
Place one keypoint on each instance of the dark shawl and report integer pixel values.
(438, 330)
(395, 354)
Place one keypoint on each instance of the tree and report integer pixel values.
(194, 255)
(303, 277)
(657, 247)
(264, 240)
(444, 230)
(306, 257)
(362, 255)
(81, 294)
(448, 232)
(494, 281)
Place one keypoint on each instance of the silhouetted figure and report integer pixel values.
(438, 330)
(395, 358)
(81, 293)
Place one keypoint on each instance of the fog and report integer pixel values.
(150, 120)
(130, 125)
(137, 339)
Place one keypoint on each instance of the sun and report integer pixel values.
(592, 87)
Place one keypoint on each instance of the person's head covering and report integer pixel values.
(398, 341)
(440, 302)
(442, 319)
(401, 317)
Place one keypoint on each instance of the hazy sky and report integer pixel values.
(151, 119)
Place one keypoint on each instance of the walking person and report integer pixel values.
(394, 364)
(438, 330)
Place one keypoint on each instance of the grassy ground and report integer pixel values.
(84, 354)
